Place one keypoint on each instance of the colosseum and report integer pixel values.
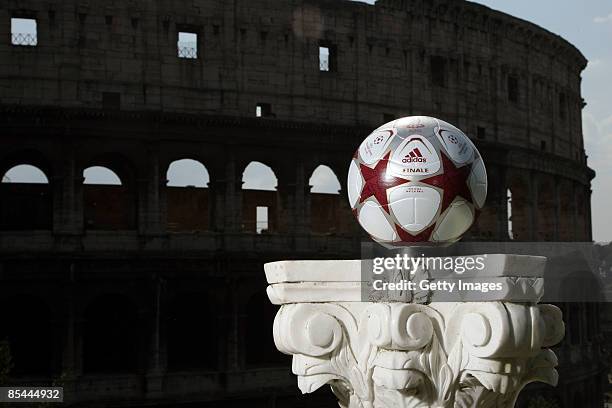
(145, 291)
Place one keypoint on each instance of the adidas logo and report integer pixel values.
(414, 156)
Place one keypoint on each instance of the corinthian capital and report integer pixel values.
(393, 354)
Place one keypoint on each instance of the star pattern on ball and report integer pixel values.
(422, 236)
(377, 182)
(453, 182)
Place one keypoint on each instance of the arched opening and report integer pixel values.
(519, 208)
(258, 176)
(187, 196)
(28, 329)
(327, 213)
(509, 213)
(102, 176)
(259, 344)
(324, 181)
(259, 198)
(192, 342)
(25, 173)
(109, 202)
(25, 199)
(112, 335)
(546, 212)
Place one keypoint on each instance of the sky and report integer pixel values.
(586, 24)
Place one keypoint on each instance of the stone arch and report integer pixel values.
(112, 335)
(259, 176)
(323, 180)
(25, 173)
(119, 164)
(259, 344)
(187, 196)
(27, 325)
(101, 176)
(26, 198)
(109, 194)
(192, 332)
(187, 173)
(30, 157)
(260, 204)
(520, 208)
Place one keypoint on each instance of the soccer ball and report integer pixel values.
(416, 181)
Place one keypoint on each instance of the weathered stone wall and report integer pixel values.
(267, 52)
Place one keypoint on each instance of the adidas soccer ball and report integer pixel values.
(416, 181)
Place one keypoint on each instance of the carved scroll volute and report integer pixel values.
(491, 330)
(323, 339)
(482, 328)
(402, 326)
(551, 325)
(306, 329)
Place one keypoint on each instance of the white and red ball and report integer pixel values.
(416, 180)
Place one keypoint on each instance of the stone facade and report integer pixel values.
(105, 86)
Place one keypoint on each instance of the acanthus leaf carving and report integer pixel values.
(459, 355)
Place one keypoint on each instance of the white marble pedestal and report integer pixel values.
(400, 354)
